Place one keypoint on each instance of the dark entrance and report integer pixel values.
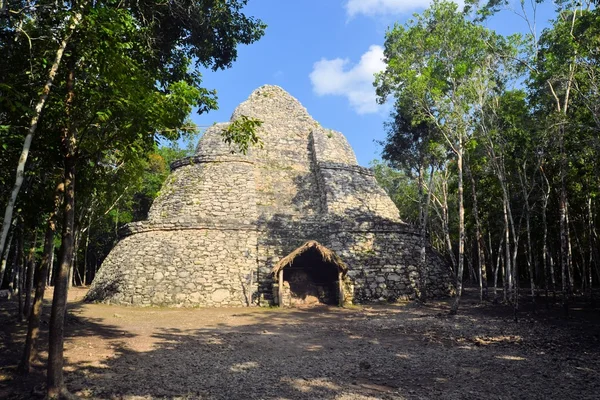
(310, 275)
(311, 280)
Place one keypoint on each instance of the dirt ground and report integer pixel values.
(401, 351)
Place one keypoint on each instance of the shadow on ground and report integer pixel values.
(378, 352)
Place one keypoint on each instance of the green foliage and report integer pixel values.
(135, 84)
(242, 133)
(402, 189)
(434, 63)
(523, 116)
(411, 145)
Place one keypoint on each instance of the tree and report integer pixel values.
(28, 16)
(414, 147)
(127, 77)
(435, 61)
(564, 84)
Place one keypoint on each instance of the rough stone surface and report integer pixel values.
(223, 219)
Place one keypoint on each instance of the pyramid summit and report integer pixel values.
(296, 221)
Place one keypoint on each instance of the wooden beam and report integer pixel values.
(280, 294)
(341, 289)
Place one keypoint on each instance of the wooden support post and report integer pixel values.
(280, 294)
(341, 289)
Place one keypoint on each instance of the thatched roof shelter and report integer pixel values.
(327, 255)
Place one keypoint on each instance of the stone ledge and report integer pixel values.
(345, 167)
(220, 158)
(323, 225)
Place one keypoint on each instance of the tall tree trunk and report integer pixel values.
(496, 269)
(422, 230)
(19, 267)
(74, 267)
(13, 283)
(583, 270)
(507, 275)
(30, 271)
(423, 219)
(5, 255)
(590, 218)
(564, 241)
(51, 265)
(446, 223)
(29, 352)
(481, 275)
(87, 244)
(545, 255)
(529, 252)
(20, 174)
(562, 106)
(56, 384)
(461, 231)
(570, 255)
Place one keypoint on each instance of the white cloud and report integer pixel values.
(339, 78)
(385, 7)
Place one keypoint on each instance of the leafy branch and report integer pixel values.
(242, 132)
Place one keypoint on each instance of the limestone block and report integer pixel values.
(219, 295)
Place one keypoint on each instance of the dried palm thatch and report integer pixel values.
(326, 254)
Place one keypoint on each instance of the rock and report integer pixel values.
(219, 295)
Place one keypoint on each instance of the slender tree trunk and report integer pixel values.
(5, 256)
(481, 275)
(424, 202)
(30, 271)
(422, 230)
(461, 230)
(20, 270)
(545, 257)
(506, 277)
(71, 267)
(570, 255)
(56, 384)
(75, 274)
(446, 223)
(583, 270)
(469, 261)
(529, 252)
(13, 283)
(51, 265)
(590, 218)
(20, 174)
(55, 266)
(87, 244)
(564, 241)
(546, 253)
(498, 267)
(29, 352)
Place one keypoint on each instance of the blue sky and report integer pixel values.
(324, 53)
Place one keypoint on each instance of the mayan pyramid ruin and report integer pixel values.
(297, 221)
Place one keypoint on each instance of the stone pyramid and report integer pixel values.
(223, 221)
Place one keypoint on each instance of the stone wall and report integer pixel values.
(206, 267)
(384, 265)
(223, 220)
(190, 192)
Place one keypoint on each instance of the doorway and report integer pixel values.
(309, 276)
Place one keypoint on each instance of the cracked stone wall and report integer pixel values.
(222, 220)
